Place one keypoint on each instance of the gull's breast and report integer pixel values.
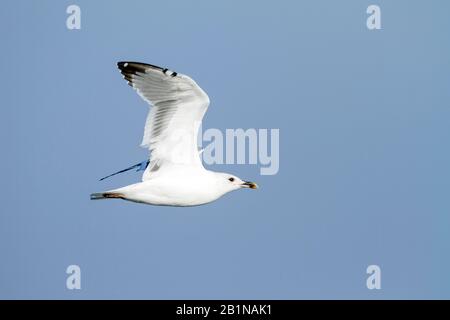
(174, 191)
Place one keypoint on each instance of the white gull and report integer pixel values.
(175, 175)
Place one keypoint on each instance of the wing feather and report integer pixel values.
(178, 105)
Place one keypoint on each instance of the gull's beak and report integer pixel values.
(248, 184)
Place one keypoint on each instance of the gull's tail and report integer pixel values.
(106, 195)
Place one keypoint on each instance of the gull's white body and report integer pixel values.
(175, 175)
(180, 185)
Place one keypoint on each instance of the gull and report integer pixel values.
(174, 175)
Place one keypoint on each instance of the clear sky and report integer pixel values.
(364, 119)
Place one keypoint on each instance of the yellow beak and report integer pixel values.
(248, 184)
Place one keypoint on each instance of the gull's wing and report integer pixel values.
(178, 105)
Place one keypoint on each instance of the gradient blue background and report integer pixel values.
(364, 174)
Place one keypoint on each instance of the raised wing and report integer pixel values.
(178, 105)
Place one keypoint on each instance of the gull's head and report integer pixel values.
(229, 182)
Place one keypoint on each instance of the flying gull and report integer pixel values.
(174, 174)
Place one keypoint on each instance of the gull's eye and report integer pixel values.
(231, 179)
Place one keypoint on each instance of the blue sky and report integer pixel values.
(364, 130)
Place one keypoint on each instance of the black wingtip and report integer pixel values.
(130, 67)
(137, 66)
